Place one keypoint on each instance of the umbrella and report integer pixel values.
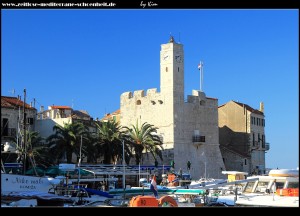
(37, 170)
(82, 172)
(53, 171)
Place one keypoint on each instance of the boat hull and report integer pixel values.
(22, 183)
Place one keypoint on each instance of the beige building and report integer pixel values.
(242, 137)
(189, 129)
(47, 119)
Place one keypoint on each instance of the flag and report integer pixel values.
(153, 186)
(200, 65)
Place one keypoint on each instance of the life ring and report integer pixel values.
(167, 199)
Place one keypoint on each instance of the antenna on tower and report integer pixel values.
(179, 38)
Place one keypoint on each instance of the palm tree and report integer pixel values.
(89, 149)
(110, 142)
(145, 139)
(37, 151)
(66, 139)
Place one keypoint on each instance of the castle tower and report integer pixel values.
(172, 70)
(189, 129)
(172, 85)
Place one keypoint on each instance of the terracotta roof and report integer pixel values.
(60, 107)
(13, 103)
(109, 115)
(116, 112)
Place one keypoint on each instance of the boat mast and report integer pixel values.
(24, 134)
(123, 162)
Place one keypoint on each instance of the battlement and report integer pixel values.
(139, 93)
(152, 91)
(126, 95)
(200, 97)
(198, 93)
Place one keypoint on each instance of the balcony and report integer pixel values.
(198, 138)
(267, 147)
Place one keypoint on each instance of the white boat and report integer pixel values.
(23, 183)
(279, 189)
(204, 182)
(11, 182)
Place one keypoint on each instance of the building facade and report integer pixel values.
(242, 137)
(60, 115)
(13, 123)
(189, 129)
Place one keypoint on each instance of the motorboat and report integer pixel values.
(278, 189)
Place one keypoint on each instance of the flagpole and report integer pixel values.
(200, 67)
(201, 76)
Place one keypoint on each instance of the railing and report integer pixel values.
(267, 147)
(198, 138)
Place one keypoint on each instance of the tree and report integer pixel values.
(110, 142)
(144, 138)
(66, 140)
(37, 151)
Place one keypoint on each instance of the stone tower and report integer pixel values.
(189, 128)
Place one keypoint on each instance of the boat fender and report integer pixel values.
(167, 199)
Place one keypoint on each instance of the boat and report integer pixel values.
(150, 201)
(284, 173)
(16, 181)
(278, 189)
(161, 190)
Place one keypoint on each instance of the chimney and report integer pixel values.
(261, 107)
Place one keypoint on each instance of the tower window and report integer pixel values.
(138, 102)
(178, 69)
(166, 69)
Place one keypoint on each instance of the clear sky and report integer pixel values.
(87, 58)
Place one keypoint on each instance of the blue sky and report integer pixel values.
(88, 58)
